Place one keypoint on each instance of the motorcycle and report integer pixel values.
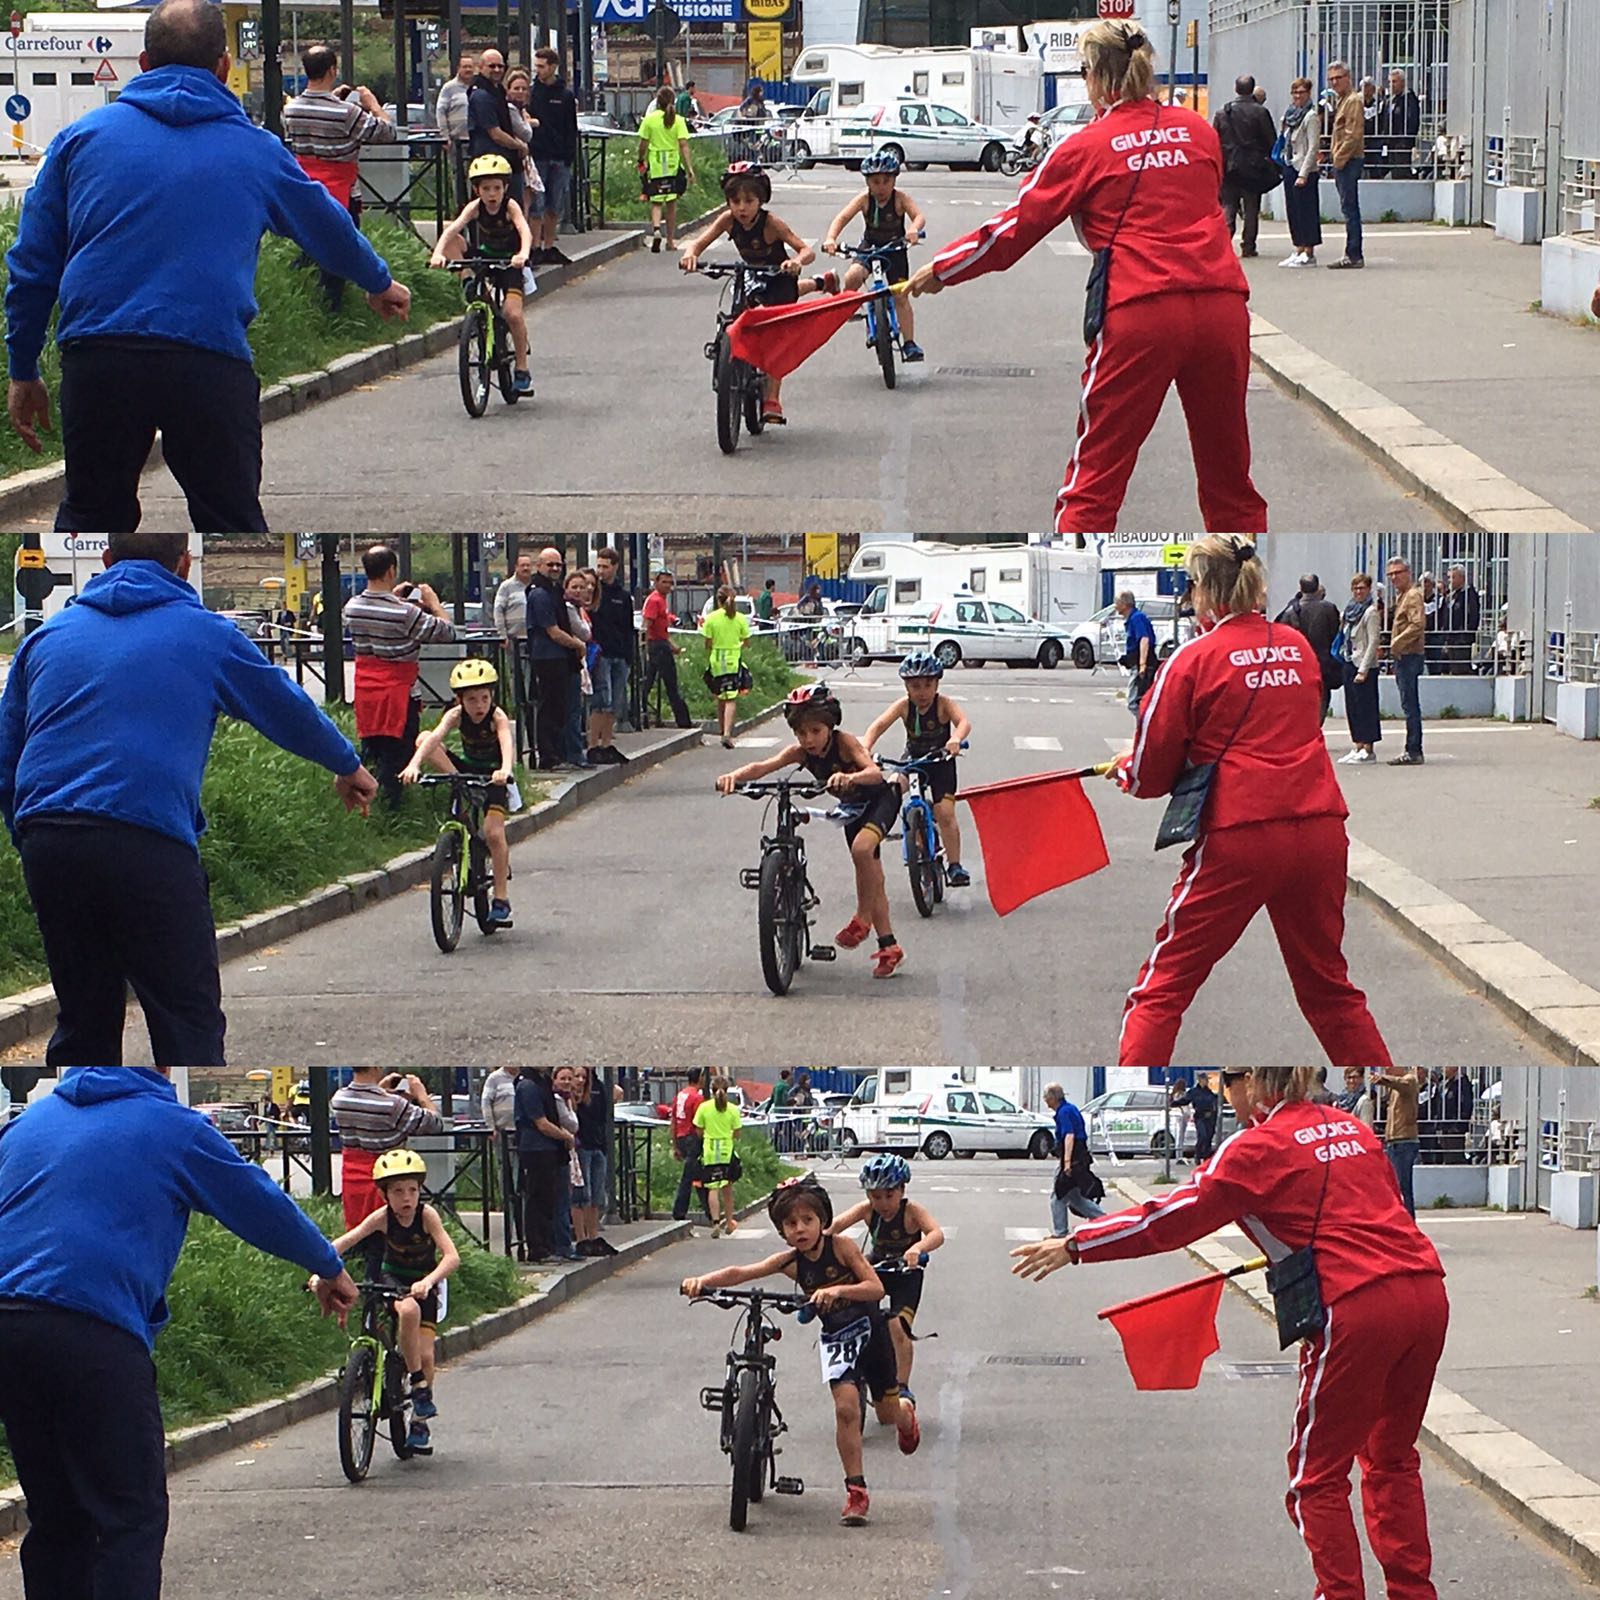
(1027, 150)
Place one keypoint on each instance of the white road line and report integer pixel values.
(1031, 741)
(751, 742)
(1025, 1235)
(1059, 700)
(1022, 699)
(943, 1188)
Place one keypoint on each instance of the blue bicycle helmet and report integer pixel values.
(880, 161)
(885, 1171)
(921, 664)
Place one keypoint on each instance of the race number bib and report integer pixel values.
(842, 1352)
(443, 1292)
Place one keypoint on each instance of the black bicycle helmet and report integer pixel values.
(802, 1190)
(748, 172)
(813, 700)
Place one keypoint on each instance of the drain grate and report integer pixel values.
(1260, 1369)
(986, 372)
(1034, 1361)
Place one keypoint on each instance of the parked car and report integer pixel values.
(598, 122)
(744, 604)
(961, 1121)
(1061, 122)
(923, 133)
(229, 1116)
(976, 631)
(1101, 641)
(1134, 1122)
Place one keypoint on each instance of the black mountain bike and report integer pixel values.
(783, 913)
(462, 870)
(740, 388)
(748, 1399)
(486, 350)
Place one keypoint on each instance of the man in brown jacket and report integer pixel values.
(1408, 634)
(1349, 159)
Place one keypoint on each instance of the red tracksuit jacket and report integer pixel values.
(1277, 769)
(1269, 1178)
(1173, 239)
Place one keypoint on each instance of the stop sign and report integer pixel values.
(1117, 9)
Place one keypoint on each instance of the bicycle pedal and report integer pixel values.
(789, 1486)
(712, 1399)
(750, 877)
(824, 952)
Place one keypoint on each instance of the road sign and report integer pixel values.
(16, 23)
(30, 558)
(1175, 552)
(18, 107)
(1117, 10)
(1174, 12)
(105, 72)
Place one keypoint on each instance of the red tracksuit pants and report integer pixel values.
(1201, 343)
(1296, 870)
(1364, 1385)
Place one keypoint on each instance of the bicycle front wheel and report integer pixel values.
(446, 896)
(919, 863)
(358, 1416)
(473, 350)
(745, 1460)
(775, 920)
(730, 399)
(755, 403)
(883, 338)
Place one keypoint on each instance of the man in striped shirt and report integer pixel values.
(325, 127)
(389, 623)
(375, 1113)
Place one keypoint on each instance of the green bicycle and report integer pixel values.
(461, 866)
(372, 1391)
(485, 347)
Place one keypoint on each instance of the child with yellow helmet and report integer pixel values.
(488, 749)
(405, 1244)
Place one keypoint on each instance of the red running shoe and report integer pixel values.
(909, 1440)
(856, 1506)
(852, 933)
(887, 960)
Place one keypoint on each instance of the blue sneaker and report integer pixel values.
(957, 876)
(422, 1406)
(911, 351)
(523, 383)
(499, 917)
(419, 1441)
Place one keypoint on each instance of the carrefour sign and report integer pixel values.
(55, 44)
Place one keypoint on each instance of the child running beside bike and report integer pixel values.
(933, 723)
(495, 226)
(898, 1230)
(406, 1245)
(892, 220)
(869, 806)
(488, 750)
(762, 240)
(855, 1345)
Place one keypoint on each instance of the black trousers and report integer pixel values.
(116, 393)
(689, 1150)
(84, 1427)
(385, 757)
(1205, 1130)
(542, 1171)
(552, 682)
(1236, 202)
(120, 905)
(662, 665)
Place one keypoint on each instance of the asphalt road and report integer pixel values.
(634, 943)
(622, 434)
(572, 1459)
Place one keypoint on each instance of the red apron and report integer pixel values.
(337, 177)
(383, 697)
(360, 1194)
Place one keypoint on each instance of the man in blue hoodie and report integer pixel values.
(97, 1183)
(105, 727)
(145, 220)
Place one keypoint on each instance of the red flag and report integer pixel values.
(1166, 1336)
(1036, 833)
(776, 339)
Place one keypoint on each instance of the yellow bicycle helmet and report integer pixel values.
(489, 166)
(398, 1164)
(473, 673)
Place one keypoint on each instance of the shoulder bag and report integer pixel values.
(1296, 1289)
(1098, 287)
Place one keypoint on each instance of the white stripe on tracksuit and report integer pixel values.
(1310, 1385)
(1180, 893)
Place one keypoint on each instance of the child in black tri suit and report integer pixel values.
(762, 240)
(855, 1343)
(868, 804)
(933, 724)
(890, 218)
(488, 750)
(405, 1244)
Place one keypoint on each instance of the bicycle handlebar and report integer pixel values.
(465, 779)
(731, 269)
(732, 1299)
(898, 1264)
(466, 263)
(917, 761)
(870, 252)
(759, 788)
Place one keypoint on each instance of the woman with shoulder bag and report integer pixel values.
(1363, 632)
(1232, 732)
(1302, 152)
(1355, 1282)
(1166, 300)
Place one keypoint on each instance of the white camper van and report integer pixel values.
(61, 65)
(1050, 585)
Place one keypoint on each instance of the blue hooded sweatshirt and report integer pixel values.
(109, 707)
(96, 1186)
(145, 219)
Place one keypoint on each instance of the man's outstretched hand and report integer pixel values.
(28, 405)
(358, 790)
(394, 304)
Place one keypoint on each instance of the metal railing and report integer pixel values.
(1580, 194)
(1573, 656)
(1514, 161)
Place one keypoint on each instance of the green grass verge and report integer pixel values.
(277, 831)
(622, 202)
(764, 1170)
(773, 676)
(242, 1331)
(295, 331)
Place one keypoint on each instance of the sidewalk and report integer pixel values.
(1490, 856)
(1513, 1403)
(1439, 324)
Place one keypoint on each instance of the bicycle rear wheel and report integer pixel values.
(473, 351)
(358, 1417)
(919, 863)
(775, 919)
(482, 886)
(884, 340)
(755, 400)
(446, 899)
(745, 1458)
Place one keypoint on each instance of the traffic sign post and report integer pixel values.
(1174, 16)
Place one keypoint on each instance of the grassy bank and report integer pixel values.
(242, 1331)
(295, 331)
(764, 1170)
(622, 182)
(276, 832)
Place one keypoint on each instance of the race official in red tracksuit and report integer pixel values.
(1247, 694)
(1177, 309)
(1365, 1379)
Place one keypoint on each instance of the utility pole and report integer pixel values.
(321, 1131)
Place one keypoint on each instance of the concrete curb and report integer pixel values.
(1551, 1500)
(40, 488)
(188, 1447)
(1471, 494)
(1558, 1011)
(31, 1012)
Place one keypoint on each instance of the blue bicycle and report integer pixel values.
(883, 323)
(920, 845)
